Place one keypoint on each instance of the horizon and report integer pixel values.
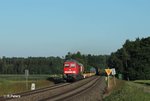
(67, 53)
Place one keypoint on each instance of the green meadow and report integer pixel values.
(10, 84)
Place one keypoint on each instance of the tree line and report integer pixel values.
(48, 65)
(35, 65)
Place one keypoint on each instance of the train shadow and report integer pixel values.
(56, 80)
(147, 84)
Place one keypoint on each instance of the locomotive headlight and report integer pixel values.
(73, 71)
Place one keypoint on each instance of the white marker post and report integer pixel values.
(33, 86)
(114, 73)
(108, 71)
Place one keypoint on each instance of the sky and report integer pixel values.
(56, 27)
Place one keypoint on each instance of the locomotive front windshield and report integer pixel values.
(70, 65)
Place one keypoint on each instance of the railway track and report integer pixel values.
(28, 93)
(72, 91)
(61, 92)
(93, 92)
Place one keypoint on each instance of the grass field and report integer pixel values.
(130, 91)
(10, 84)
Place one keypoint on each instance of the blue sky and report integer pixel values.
(55, 27)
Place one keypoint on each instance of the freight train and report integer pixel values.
(73, 70)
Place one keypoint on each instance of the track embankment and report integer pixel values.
(90, 89)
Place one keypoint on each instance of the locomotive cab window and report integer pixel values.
(72, 65)
(66, 65)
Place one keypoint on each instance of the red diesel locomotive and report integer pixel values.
(73, 70)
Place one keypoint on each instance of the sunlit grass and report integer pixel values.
(130, 92)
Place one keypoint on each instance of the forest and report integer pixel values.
(132, 61)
